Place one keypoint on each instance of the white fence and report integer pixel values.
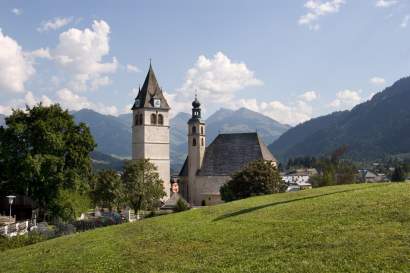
(15, 229)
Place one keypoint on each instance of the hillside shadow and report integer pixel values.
(248, 210)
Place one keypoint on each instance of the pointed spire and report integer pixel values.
(150, 90)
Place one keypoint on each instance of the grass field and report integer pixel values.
(355, 228)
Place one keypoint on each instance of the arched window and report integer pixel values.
(194, 142)
(153, 119)
(141, 119)
(202, 142)
(202, 130)
(193, 129)
(160, 119)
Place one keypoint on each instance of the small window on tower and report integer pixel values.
(141, 121)
(153, 119)
(194, 142)
(202, 142)
(202, 130)
(160, 119)
(193, 129)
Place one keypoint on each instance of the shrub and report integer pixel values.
(20, 240)
(181, 205)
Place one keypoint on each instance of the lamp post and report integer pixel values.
(11, 200)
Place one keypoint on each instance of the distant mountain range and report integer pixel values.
(372, 130)
(113, 134)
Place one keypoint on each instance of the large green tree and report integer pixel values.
(107, 189)
(43, 154)
(257, 178)
(142, 185)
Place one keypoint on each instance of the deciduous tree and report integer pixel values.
(142, 185)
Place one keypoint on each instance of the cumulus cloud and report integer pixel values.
(17, 11)
(132, 68)
(386, 3)
(346, 99)
(309, 96)
(317, 9)
(80, 53)
(15, 67)
(31, 100)
(54, 24)
(377, 81)
(218, 78)
(73, 101)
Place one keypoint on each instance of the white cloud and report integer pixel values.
(15, 67)
(405, 21)
(317, 9)
(132, 68)
(17, 11)
(5, 110)
(346, 99)
(309, 96)
(54, 24)
(217, 79)
(31, 100)
(40, 53)
(80, 53)
(72, 101)
(378, 81)
(386, 3)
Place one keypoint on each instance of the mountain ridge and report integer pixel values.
(372, 130)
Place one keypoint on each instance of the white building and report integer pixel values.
(150, 128)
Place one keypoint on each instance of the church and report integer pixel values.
(206, 168)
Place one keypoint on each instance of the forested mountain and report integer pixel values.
(113, 134)
(377, 128)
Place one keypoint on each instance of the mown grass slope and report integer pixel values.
(355, 228)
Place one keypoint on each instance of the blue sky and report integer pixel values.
(291, 60)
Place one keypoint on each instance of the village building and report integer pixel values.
(366, 176)
(206, 169)
(150, 128)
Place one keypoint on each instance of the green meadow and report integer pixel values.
(354, 228)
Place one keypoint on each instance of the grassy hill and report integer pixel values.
(355, 228)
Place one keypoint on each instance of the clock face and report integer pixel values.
(157, 103)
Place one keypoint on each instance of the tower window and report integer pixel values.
(141, 121)
(193, 129)
(202, 142)
(160, 119)
(153, 119)
(194, 142)
(202, 130)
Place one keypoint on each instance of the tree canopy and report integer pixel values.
(257, 178)
(43, 154)
(142, 185)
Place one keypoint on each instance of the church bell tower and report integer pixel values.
(196, 147)
(150, 128)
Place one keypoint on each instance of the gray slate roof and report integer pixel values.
(149, 91)
(229, 153)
